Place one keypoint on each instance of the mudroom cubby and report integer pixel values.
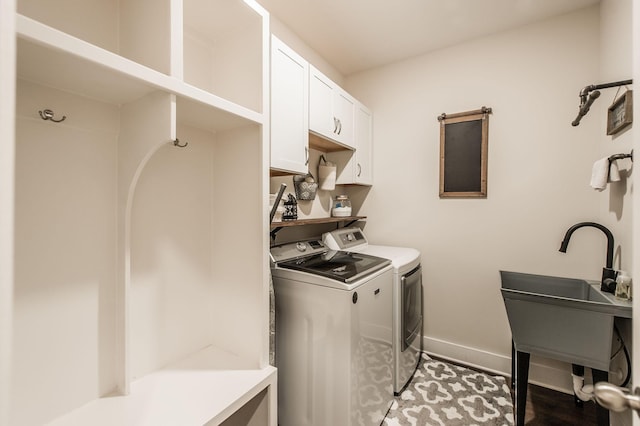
(141, 291)
(139, 30)
(223, 50)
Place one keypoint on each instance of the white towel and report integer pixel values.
(614, 173)
(600, 173)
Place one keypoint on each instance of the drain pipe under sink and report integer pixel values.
(581, 391)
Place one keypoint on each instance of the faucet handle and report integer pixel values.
(608, 283)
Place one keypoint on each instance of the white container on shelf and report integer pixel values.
(341, 206)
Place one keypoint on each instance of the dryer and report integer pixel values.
(407, 297)
(333, 335)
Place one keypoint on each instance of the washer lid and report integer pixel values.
(341, 266)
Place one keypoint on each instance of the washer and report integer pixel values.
(407, 298)
(333, 335)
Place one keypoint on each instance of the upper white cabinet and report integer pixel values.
(363, 169)
(289, 109)
(356, 167)
(331, 109)
(140, 292)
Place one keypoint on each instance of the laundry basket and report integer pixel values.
(305, 187)
(326, 174)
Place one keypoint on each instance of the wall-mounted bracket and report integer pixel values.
(590, 93)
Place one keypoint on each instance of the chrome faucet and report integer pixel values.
(608, 282)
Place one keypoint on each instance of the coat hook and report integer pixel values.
(176, 142)
(47, 114)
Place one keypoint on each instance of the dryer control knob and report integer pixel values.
(301, 246)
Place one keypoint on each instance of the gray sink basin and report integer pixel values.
(562, 318)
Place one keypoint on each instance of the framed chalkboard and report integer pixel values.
(463, 153)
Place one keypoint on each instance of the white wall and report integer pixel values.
(615, 65)
(7, 153)
(292, 40)
(616, 202)
(65, 240)
(636, 202)
(538, 176)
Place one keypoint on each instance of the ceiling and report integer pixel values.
(356, 35)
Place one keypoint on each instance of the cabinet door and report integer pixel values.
(363, 172)
(343, 111)
(356, 167)
(289, 109)
(321, 118)
(331, 109)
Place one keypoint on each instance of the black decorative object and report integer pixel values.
(290, 208)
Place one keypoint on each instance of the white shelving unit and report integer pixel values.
(7, 149)
(141, 276)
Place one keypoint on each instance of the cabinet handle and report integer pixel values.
(335, 125)
(339, 126)
(306, 156)
(359, 170)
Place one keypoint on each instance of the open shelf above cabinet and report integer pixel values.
(317, 143)
(325, 145)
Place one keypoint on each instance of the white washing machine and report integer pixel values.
(407, 297)
(333, 335)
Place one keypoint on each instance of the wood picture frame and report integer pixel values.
(464, 139)
(620, 113)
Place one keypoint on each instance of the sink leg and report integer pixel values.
(577, 370)
(602, 414)
(513, 367)
(522, 380)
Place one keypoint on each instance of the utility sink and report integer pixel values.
(562, 318)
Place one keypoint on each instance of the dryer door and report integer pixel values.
(411, 318)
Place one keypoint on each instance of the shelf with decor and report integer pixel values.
(316, 221)
(349, 220)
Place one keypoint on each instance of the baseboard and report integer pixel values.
(551, 377)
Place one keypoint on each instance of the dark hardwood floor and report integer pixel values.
(546, 407)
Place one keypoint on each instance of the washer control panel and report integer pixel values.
(344, 239)
(288, 251)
